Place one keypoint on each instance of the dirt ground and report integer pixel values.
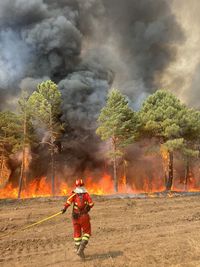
(126, 232)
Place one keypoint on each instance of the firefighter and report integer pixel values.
(82, 203)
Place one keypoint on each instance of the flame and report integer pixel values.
(4, 172)
(41, 187)
(165, 158)
(26, 160)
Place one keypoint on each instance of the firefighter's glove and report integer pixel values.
(64, 210)
(87, 208)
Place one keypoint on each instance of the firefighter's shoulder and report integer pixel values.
(70, 198)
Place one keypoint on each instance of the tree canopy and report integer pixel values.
(117, 120)
(161, 116)
(45, 103)
(10, 131)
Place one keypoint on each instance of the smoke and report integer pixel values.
(12, 63)
(183, 75)
(144, 36)
(86, 46)
(20, 13)
(35, 41)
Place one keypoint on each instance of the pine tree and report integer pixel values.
(191, 134)
(10, 140)
(45, 103)
(163, 116)
(28, 136)
(117, 123)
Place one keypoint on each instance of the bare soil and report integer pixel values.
(126, 232)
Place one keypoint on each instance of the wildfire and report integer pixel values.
(165, 158)
(41, 187)
(4, 172)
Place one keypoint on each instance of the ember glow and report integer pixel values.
(41, 187)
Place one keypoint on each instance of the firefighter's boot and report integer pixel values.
(76, 247)
(80, 251)
(77, 241)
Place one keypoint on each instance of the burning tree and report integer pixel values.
(163, 116)
(10, 139)
(28, 136)
(117, 123)
(16, 135)
(45, 103)
(191, 133)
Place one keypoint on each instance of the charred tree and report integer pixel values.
(187, 173)
(125, 173)
(27, 138)
(22, 178)
(170, 171)
(52, 154)
(115, 165)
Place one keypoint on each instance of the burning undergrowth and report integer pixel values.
(142, 174)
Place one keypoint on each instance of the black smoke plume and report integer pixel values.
(86, 46)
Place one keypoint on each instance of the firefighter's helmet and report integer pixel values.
(79, 182)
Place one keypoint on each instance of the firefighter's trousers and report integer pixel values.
(82, 228)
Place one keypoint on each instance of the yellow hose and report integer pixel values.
(31, 225)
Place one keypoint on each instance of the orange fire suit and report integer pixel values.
(82, 203)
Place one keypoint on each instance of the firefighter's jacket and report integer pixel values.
(81, 200)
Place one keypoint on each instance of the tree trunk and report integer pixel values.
(52, 171)
(125, 174)
(165, 179)
(187, 171)
(4, 171)
(2, 165)
(52, 157)
(171, 171)
(22, 177)
(115, 166)
(3, 177)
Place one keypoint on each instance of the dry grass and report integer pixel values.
(126, 232)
